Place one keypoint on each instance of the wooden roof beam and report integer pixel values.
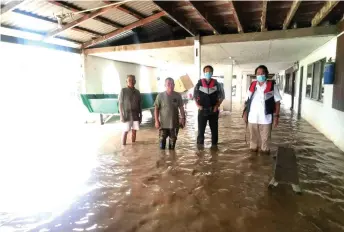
(80, 20)
(263, 18)
(324, 11)
(11, 6)
(74, 8)
(126, 28)
(142, 46)
(236, 17)
(202, 13)
(291, 13)
(180, 19)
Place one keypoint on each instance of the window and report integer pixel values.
(315, 80)
(288, 83)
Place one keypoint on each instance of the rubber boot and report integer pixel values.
(162, 144)
(171, 144)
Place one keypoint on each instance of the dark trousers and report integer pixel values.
(203, 118)
(172, 134)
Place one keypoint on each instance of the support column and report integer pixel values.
(227, 85)
(197, 57)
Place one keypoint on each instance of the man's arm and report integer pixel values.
(182, 111)
(120, 104)
(277, 98)
(196, 95)
(156, 112)
(220, 96)
(140, 106)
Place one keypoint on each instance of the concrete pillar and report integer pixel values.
(197, 56)
(227, 85)
(82, 87)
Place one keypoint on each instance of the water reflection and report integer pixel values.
(224, 188)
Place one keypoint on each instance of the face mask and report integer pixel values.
(261, 78)
(208, 75)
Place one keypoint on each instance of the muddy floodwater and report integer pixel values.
(139, 188)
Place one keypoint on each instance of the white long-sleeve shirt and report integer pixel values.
(257, 109)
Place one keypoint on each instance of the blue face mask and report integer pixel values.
(208, 75)
(261, 78)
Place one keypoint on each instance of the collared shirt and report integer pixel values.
(257, 109)
(168, 106)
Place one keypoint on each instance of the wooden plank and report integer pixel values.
(201, 12)
(74, 8)
(126, 28)
(143, 46)
(291, 13)
(263, 18)
(236, 17)
(340, 26)
(286, 170)
(11, 6)
(270, 35)
(179, 19)
(327, 8)
(80, 20)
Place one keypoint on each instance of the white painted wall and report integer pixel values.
(109, 76)
(322, 116)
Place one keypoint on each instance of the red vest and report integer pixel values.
(268, 95)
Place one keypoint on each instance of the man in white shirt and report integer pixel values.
(262, 109)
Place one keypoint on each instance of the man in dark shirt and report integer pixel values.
(209, 95)
(166, 114)
(130, 109)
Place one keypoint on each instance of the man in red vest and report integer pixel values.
(209, 95)
(262, 109)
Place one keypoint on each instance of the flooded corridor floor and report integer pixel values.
(138, 188)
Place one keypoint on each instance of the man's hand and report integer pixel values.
(121, 118)
(216, 108)
(157, 124)
(245, 117)
(140, 119)
(276, 120)
(182, 122)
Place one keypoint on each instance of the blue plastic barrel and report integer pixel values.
(329, 73)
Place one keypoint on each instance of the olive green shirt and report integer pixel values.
(130, 101)
(168, 106)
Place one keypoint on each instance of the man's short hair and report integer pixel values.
(169, 79)
(208, 66)
(265, 69)
(132, 76)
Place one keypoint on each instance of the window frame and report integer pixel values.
(318, 98)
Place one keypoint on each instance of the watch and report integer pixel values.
(276, 115)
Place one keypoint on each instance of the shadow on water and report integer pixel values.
(140, 188)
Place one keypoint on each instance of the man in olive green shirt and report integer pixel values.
(166, 114)
(130, 109)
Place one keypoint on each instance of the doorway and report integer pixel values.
(293, 77)
(300, 93)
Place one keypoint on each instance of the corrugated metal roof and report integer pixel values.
(156, 26)
(37, 37)
(46, 9)
(97, 26)
(87, 4)
(120, 17)
(143, 7)
(76, 35)
(116, 38)
(19, 20)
